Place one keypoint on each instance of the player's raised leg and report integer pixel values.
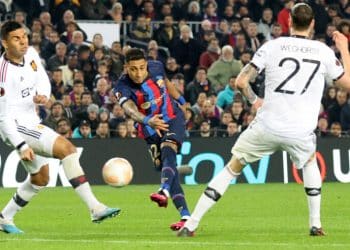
(25, 192)
(67, 153)
(216, 188)
(312, 185)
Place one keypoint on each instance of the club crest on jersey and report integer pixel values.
(146, 105)
(33, 64)
(160, 81)
(2, 91)
(118, 95)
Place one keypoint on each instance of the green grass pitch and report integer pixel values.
(270, 216)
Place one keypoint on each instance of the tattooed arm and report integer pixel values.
(247, 74)
(154, 121)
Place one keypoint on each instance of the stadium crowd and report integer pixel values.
(202, 64)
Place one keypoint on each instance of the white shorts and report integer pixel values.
(41, 139)
(255, 142)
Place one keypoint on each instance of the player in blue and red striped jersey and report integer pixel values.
(150, 99)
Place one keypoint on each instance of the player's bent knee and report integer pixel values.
(42, 177)
(212, 194)
(171, 144)
(63, 148)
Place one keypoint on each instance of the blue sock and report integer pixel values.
(168, 167)
(178, 197)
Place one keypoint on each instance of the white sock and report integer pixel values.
(85, 193)
(220, 184)
(312, 180)
(24, 194)
(73, 171)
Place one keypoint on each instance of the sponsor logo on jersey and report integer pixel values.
(40, 126)
(2, 91)
(160, 81)
(33, 64)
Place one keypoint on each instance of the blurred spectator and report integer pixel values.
(142, 30)
(78, 89)
(117, 12)
(204, 130)
(57, 86)
(335, 109)
(229, 14)
(102, 131)
(153, 52)
(167, 33)
(148, 10)
(225, 118)
(226, 96)
(322, 125)
(238, 111)
(179, 81)
(255, 39)
(283, 16)
(76, 42)
(241, 45)
(64, 128)
(171, 67)
(211, 55)
(246, 57)
(83, 131)
(68, 69)
(133, 8)
(265, 23)
(49, 48)
(56, 113)
(194, 12)
(68, 107)
(230, 39)
(67, 35)
(97, 42)
(36, 26)
(329, 97)
(210, 13)
(276, 31)
(222, 30)
(93, 10)
(20, 17)
(85, 101)
(122, 130)
(117, 117)
(130, 125)
(336, 130)
(345, 117)
(329, 34)
(59, 58)
(344, 27)
(189, 118)
(209, 112)
(231, 129)
(197, 107)
(93, 110)
(198, 85)
(45, 18)
(101, 95)
(63, 19)
(186, 52)
(220, 71)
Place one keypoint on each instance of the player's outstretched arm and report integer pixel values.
(341, 42)
(155, 121)
(247, 74)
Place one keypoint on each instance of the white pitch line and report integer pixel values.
(182, 242)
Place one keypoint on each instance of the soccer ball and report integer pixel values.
(117, 172)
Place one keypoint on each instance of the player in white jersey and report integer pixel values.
(295, 70)
(23, 85)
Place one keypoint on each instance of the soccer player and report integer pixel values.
(147, 97)
(23, 85)
(295, 69)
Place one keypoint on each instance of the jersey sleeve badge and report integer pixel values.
(34, 66)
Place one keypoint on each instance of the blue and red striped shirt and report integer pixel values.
(151, 97)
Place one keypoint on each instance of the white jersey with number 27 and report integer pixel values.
(295, 72)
